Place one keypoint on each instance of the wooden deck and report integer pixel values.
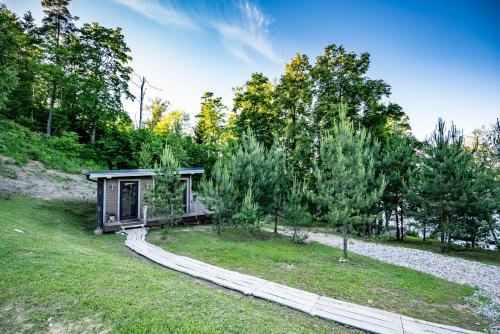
(353, 315)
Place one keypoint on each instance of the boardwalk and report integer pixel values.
(361, 317)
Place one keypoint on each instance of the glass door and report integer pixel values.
(129, 199)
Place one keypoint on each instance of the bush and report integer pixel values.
(63, 153)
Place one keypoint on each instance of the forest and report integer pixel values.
(323, 144)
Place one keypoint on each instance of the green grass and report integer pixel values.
(315, 268)
(56, 276)
(476, 254)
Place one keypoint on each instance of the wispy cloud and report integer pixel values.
(241, 26)
(247, 31)
(163, 13)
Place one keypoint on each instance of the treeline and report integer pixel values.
(321, 143)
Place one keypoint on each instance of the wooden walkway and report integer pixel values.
(361, 317)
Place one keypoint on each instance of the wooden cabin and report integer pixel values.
(120, 198)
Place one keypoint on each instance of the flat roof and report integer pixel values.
(109, 174)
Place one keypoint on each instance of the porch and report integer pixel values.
(195, 213)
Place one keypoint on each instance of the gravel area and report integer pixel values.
(484, 277)
(34, 180)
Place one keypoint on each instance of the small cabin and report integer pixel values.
(120, 198)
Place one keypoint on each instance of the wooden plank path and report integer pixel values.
(361, 317)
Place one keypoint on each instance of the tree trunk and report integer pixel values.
(345, 240)
(141, 101)
(92, 136)
(397, 225)
(51, 109)
(402, 234)
(276, 222)
(387, 217)
(425, 231)
(441, 226)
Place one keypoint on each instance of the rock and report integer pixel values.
(18, 230)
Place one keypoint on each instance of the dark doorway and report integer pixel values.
(129, 199)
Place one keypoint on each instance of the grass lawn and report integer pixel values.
(56, 276)
(315, 268)
(476, 254)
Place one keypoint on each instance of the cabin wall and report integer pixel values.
(111, 194)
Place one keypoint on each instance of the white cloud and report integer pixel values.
(242, 26)
(246, 31)
(163, 13)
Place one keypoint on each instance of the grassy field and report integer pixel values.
(57, 277)
(315, 268)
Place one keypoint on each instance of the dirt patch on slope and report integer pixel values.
(33, 179)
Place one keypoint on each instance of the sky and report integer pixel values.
(441, 58)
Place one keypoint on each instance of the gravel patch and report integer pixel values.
(484, 277)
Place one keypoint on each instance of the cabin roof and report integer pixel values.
(109, 174)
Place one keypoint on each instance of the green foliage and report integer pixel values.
(63, 153)
(219, 195)
(211, 121)
(165, 194)
(157, 108)
(10, 45)
(340, 77)
(343, 176)
(146, 156)
(253, 105)
(295, 212)
(294, 97)
(248, 216)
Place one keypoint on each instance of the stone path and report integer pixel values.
(482, 276)
(361, 317)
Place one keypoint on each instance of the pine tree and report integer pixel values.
(277, 182)
(343, 176)
(295, 212)
(165, 193)
(441, 180)
(219, 196)
(397, 164)
(249, 213)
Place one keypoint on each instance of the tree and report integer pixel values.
(57, 27)
(165, 193)
(343, 174)
(10, 45)
(295, 212)
(157, 108)
(253, 105)
(219, 195)
(211, 120)
(175, 122)
(248, 215)
(105, 73)
(340, 77)
(397, 164)
(277, 182)
(26, 101)
(293, 96)
(441, 179)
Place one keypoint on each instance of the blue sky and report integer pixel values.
(442, 58)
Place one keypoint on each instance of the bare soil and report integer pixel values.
(34, 180)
